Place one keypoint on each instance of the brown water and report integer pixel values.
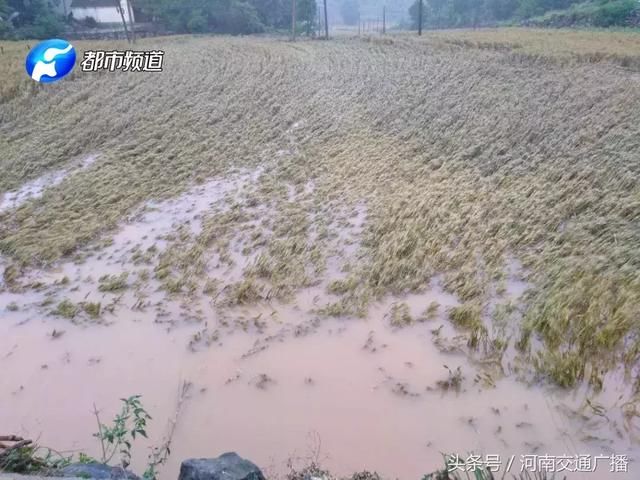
(276, 382)
(36, 187)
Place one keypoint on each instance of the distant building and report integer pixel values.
(102, 11)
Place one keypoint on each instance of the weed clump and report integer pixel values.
(113, 283)
(244, 292)
(467, 316)
(430, 313)
(400, 315)
(340, 287)
(66, 309)
(92, 309)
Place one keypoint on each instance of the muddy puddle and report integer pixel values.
(275, 381)
(35, 188)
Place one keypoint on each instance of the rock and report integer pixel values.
(229, 466)
(97, 471)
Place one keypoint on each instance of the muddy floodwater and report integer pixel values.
(273, 380)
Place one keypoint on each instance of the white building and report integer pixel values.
(102, 11)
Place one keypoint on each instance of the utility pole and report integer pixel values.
(420, 17)
(133, 27)
(326, 22)
(124, 22)
(293, 20)
(384, 19)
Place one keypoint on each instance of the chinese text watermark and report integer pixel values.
(538, 463)
(122, 60)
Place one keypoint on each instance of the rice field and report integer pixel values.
(364, 168)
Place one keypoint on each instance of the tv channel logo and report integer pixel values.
(50, 60)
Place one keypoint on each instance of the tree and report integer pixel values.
(350, 10)
(29, 19)
(273, 13)
(306, 11)
(238, 17)
(502, 9)
(4, 10)
(6, 28)
(197, 16)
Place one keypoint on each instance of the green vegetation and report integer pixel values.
(92, 309)
(224, 16)
(26, 457)
(556, 13)
(118, 438)
(36, 19)
(400, 316)
(590, 14)
(430, 312)
(66, 309)
(32, 19)
(113, 283)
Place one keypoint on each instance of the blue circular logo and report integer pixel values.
(50, 60)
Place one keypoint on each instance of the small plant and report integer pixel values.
(84, 458)
(431, 312)
(244, 292)
(19, 455)
(66, 309)
(400, 316)
(340, 287)
(13, 307)
(113, 283)
(454, 380)
(92, 309)
(10, 275)
(119, 437)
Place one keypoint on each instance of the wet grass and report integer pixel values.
(113, 283)
(400, 316)
(465, 148)
(66, 309)
(564, 45)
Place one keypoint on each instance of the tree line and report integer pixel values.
(28, 19)
(228, 16)
(473, 13)
(35, 19)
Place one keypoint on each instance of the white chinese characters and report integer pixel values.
(122, 60)
(539, 463)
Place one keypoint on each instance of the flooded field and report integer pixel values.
(282, 382)
(354, 395)
(424, 264)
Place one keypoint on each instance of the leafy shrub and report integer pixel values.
(613, 13)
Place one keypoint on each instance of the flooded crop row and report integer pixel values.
(276, 380)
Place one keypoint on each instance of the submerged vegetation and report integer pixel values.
(461, 150)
